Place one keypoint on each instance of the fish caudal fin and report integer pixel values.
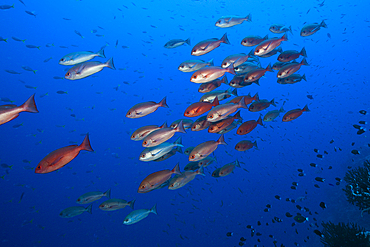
(259, 121)
(131, 203)
(284, 37)
(200, 171)
(110, 63)
(187, 41)
(178, 142)
(272, 102)
(304, 62)
(237, 116)
(281, 109)
(215, 102)
(221, 140)
(163, 103)
(164, 125)
(266, 37)
(304, 77)
(305, 108)
(248, 18)
(230, 69)
(176, 169)
(107, 193)
(256, 97)
(234, 92)
(154, 209)
(268, 68)
(323, 24)
(224, 80)
(30, 105)
(290, 29)
(180, 127)
(89, 209)
(85, 145)
(101, 52)
(255, 144)
(242, 104)
(178, 149)
(224, 39)
(237, 163)
(210, 63)
(303, 52)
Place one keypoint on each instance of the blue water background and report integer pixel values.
(201, 213)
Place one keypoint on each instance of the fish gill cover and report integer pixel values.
(100, 99)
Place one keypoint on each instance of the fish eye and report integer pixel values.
(258, 51)
(143, 186)
(145, 142)
(182, 66)
(133, 136)
(68, 74)
(171, 185)
(193, 156)
(129, 113)
(219, 22)
(195, 77)
(143, 155)
(62, 59)
(211, 116)
(194, 50)
(237, 146)
(78, 199)
(224, 64)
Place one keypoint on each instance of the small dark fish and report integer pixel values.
(47, 60)
(62, 92)
(33, 47)
(288, 215)
(317, 232)
(329, 36)
(300, 219)
(6, 6)
(58, 78)
(31, 13)
(16, 126)
(322, 205)
(229, 234)
(362, 122)
(18, 39)
(316, 150)
(66, 19)
(320, 179)
(3, 165)
(320, 156)
(20, 199)
(361, 131)
(79, 34)
(278, 197)
(309, 96)
(313, 165)
(12, 72)
(355, 152)
(363, 112)
(22, 2)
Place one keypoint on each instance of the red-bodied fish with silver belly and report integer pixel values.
(10, 112)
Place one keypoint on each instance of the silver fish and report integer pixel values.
(139, 215)
(80, 57)
(86, 69)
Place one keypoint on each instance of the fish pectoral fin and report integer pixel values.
(138, 113)
(205, 48)
(56, 161)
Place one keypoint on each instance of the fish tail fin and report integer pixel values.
(224, 80)
(285, 37)
(164, 125)
(85, 145)
(89, 209)
(200, 171)
(215, 102)
(281, 109)
(303, 52)
(154, 209)
(323, 24)
(34, 71)
(256, 97)
(242, 104)
(178, 142)
(255, 144)
(187, 41)
(272, 102)
(257, 82)
(178, 149)
(248, 18)
(132, 203)
(107, 193)
(221, 140)
(6, 40)
(251, 53)
(30, 105)
(304, 77)
(210, 63)
(237, 116)
(176, 169)
(180, 127)
(268, 68)
(101, 52)
(266, 37)
(237, 163)
(290, 29)
(110, 64)
(234, 92)
(259, 121)
(304, 62)
(163, 103)
(305, 108)
(230, 69)
(224, 39)
(280, 49)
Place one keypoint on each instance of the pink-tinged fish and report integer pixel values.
(62, 156)
(268, 45)
(184, 178)
(228, 168)
(261, 105)
(206, 148)
(278, 28)
(235, 60)
(293, 114)
(199, 108)
(310, 29)
(156, 179)
(222, 111)
(248, 126)
(219, 94)
(161, 135)
(230, 21)
(187, 123)
(245, 145)
(290, 55)
(247, 99)
(212, 85)
(86, 69)
(256, 74)
(292, 79)
(223, 124)
(115, 204)
(210, 73)
(169, 154)
(10, 112)
(273, 52)
(92, 196)
(145, 108)
(291, 68)
(208, 45)
(142, 132)
(279, 65)
(253, 40)
(200, 124)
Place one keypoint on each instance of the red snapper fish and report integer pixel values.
(10, 112)
(208, 45)
(62, 156)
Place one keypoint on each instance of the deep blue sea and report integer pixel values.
(208, 211)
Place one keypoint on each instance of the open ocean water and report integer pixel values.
(247, 207)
